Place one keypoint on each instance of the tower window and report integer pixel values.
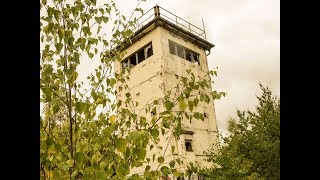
(205, 115)
(148, 51)
(139, 56)
(188, 145)
(172, 48)
(125, 64)
(192, 57)
(180, 51)
(133, 60)
(183, 52)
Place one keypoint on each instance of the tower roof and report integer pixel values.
(154, 18)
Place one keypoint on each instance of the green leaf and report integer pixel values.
(135, 177)
(141, 153)
(196, 115)
(147, 168)
(58, 47)
(176, 174)
(70, 41)
(79, 157)
(182, 105)
(81, 107)
(50, 11)
(165, 170)
(57, 174)
(80, 41)
(70, 162)
(98, 19)
(101, 10)
(105, 19)
(57, 147)
(168, 105)
(190, 105)
(166, 124)
(57, 14)
(49, 142)
(160, 159)
(103, 164)
(135, 136)
(155, 133)
(55, 108)
(94, 95)
(166, 115)
(90, 55)
(172, 149)
(108, 9)
(99, 28)
(107, 131)
(112, 82)
(43, 136)
(121, 144)
(172, 163)
(74, 174)
(196, 102)
(206, 99)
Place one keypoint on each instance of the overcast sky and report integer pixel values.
(247, 38)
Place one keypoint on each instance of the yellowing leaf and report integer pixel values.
(182, 105)
(112, 119)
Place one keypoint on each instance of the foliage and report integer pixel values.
(252, 148)
(84, 132)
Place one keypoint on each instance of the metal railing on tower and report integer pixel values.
(159, 12)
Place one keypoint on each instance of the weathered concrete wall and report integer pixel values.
(157, 74)
(205, 132)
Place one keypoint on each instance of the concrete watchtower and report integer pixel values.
(163, 47)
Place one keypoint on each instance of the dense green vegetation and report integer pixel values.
(251, 149)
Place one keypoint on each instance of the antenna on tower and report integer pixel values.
(204, 30)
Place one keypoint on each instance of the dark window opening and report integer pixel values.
(205, 115)
(138, 56)
(153, 113)
(196, 58)
(183, 52)
(180, 51)
(192, 57)
(125, 64)
(172, 48)
(148, 51)
(180, 178)
(189, 56)
(133, 61)
(188, 146)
